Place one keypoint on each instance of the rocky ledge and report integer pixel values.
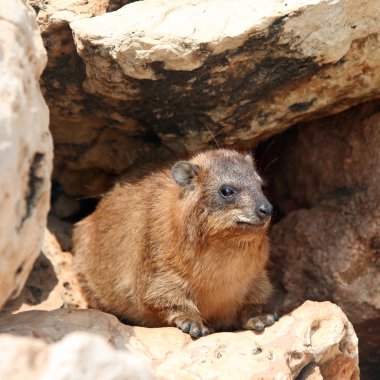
(151, 79)
(315, 341)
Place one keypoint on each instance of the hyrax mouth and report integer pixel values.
(252, 224)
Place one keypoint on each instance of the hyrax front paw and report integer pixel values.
(259, 322)
(194, 328)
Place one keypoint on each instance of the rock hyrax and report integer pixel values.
(185, 247)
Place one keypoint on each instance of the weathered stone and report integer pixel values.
(51, 284)
(78, 356)
(328, 247)
(315, 335)
(25, 147)
(74, 113)
(156, 75)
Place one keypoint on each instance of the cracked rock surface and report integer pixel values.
(25, 147)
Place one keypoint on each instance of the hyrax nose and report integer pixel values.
(265, 210)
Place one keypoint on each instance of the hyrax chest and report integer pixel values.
(221, 286)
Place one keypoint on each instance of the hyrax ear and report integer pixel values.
(183, 172)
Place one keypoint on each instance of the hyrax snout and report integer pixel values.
(186, 247)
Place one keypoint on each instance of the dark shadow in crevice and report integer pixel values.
(41, 281)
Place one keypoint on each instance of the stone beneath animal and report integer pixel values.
(184, 247)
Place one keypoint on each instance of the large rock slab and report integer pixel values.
(155, 76)
(25, 147)
(77, 356)
(328, 246)
(317, 338)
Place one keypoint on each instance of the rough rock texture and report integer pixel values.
(51, 284)
(78, 356)
(155, 75)
(72, 111)
(328, 247)
(25, 147)
(317, 338)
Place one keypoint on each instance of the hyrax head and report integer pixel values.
(227, 190)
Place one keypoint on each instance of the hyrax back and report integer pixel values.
(184, 247)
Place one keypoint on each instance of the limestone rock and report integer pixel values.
(317, 338)
(313, 334)
(51, 284)
(72, 110)
(78, 356)
(155, 76)
(25, 147)
(328, 247)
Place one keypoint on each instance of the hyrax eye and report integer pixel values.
(227, 192)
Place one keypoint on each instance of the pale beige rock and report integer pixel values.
(25, 147)
(78, 356)
(316, 333)
(51, 284)
(172, 32)
(88, 8)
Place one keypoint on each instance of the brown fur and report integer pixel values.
(159, 252)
